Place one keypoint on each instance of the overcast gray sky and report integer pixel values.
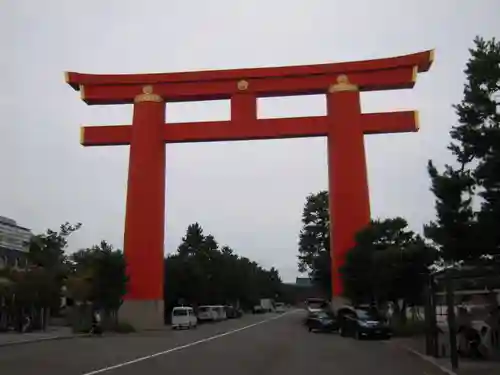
(249, 195)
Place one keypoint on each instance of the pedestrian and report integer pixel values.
(96, 323)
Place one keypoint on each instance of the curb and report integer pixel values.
(426, 358)
(41, 339)
(430, 360)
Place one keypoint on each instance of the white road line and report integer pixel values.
(177, 348)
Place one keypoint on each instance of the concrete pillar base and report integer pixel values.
(143, 314)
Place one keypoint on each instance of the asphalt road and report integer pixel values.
(257, 345)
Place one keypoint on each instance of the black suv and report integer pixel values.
(362, 322)
(321, 320)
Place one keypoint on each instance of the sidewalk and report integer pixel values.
(52, 333)
(416, 345)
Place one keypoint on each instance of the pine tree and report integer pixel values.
(314, 241)
(462, 231)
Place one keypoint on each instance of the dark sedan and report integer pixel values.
(361, 323)
(233, 312)
(321, 321)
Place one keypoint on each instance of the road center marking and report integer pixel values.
(177, 348)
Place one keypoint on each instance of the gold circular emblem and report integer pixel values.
(147, 89)
(342, 79)
(242, 85)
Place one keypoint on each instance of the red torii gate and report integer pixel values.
(344, 126)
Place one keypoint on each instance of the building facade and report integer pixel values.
(14, 243)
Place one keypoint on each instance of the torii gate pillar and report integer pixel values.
(145, 213)
(349, 200)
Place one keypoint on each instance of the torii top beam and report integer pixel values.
(378, 74)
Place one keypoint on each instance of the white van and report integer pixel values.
(221, 312)
(183, 317)
(207, 314)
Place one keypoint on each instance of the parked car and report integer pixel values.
(207, 314)
(279, 307)
(183, 317)
(321, 321)
(362, 322)
(258, 309)
(312, 310)
(267, 304)
(232, 312)
(316, 304)
(220, 312)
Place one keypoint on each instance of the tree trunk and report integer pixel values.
(39, 314)
(46, 318)
(395, 312)
(403, 316)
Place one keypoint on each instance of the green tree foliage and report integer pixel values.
(29, 292)
(314, 241)
(389, 263)
(47, 250)
(47, 261)
(99, 276)
(202, 272)
(36, 290)
(463, 230)
(96, 275)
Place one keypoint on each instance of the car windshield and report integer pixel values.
(314, 310)
(316, 303)
(367, 315)
(203, 309)
(322, 315)
(180, 312)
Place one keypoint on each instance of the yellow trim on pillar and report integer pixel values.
(66, 77)
(417, 120)
(414, 74)
(431, 56)
(82, 135)
(82, 92)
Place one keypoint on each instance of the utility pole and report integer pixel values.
(428, 319)
(435, 331)
(431, 337)
(450, 302)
